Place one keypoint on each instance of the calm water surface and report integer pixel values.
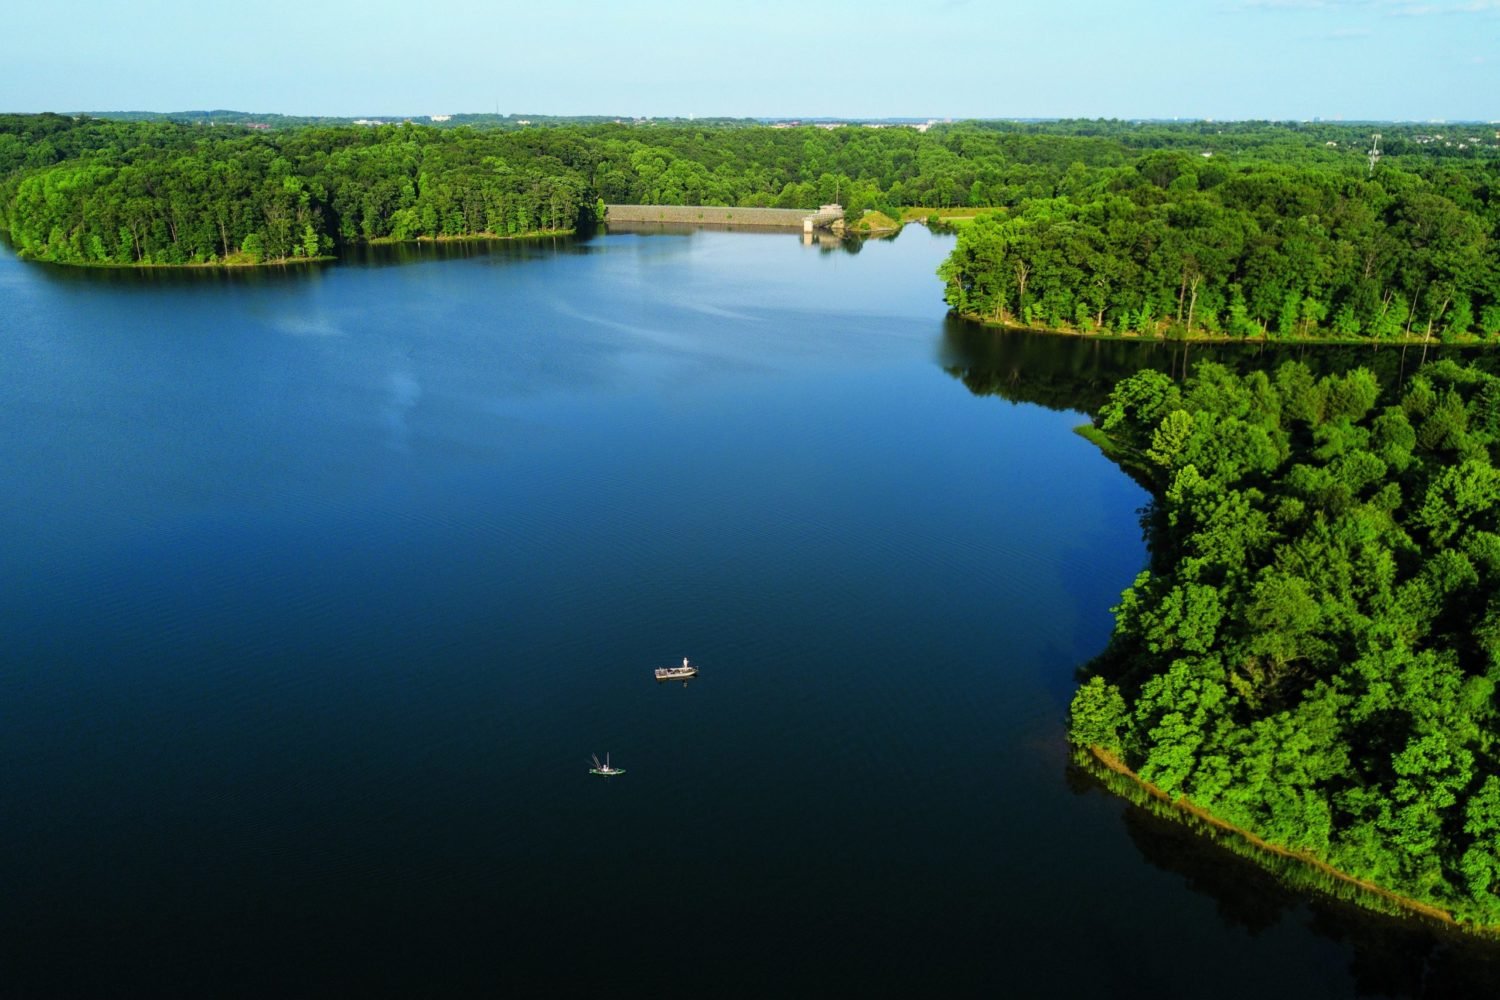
(320, 587)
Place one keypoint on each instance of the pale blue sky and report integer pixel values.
(1282, 59)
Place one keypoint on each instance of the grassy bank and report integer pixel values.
(1177, 336)
(384, 241)
(874, 222)
(234, 261)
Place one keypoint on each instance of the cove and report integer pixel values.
(323, 585)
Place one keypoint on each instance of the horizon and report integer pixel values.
(428, 118)
(1228, 60)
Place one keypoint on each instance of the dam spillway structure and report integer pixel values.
(827, 217)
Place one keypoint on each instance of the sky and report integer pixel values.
(1222, 59)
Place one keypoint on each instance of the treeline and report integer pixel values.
(1175, 244)
(162, 193)
(1122, 218)
(1313, 655)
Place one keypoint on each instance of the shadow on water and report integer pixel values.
(157, 278)
(1389, 956)
(1077, 373)
(516, 250)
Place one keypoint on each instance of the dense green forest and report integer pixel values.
(1240, 227)
(1314, 653)
(1190, 245)
(163, 193)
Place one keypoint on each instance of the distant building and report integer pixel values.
(441, 118)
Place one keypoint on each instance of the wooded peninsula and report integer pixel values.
(1313, 655)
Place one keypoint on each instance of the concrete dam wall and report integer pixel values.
(718, 215)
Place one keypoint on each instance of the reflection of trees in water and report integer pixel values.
(1077, 373)
(1390, 956)
(178, 276)
(512, 249)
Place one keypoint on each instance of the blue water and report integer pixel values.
(321, 586)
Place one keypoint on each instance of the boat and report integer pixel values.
(604, 769)
(681, 673)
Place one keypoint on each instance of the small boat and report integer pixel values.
(681, 673)
(604, 769)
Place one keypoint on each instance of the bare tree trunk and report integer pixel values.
(1193, 304)
(1430, 321)
(1385, 305)
(1412, 312)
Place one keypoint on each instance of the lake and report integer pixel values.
(321, 587)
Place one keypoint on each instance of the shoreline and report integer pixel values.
(390, 241)
(1221, 339)
(236, 265)
(190, 266)
(1368, 895)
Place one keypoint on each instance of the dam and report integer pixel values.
(826, 217)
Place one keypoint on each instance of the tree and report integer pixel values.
(254, 248)
(1098, 714)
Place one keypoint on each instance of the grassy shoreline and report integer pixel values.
(1296, 868)
(384, 241)
(1223, 339)
(196, 265)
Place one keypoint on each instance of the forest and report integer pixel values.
(1285, 251)
(1238, 230)
(96, 192)
(1314, 651)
